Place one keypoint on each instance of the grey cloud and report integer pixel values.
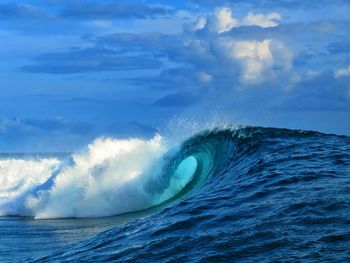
(197, 54)
(153, 42)
(86, 10)
(323, 92)
(287, 4)
(13, 11)
(112, 10)
(339, 47)
(89, 59)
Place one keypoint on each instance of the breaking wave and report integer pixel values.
(110, 177)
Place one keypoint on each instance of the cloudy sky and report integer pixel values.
(74, 70)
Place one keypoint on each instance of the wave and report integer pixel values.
(113, 177)
(110, 177)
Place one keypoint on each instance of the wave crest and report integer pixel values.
(111, 177)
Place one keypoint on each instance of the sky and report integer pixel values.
(71, 71)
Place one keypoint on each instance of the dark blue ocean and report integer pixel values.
(232, 194)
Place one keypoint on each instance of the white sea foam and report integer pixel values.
(110, 177)
(18, 175)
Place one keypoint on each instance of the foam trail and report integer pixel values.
(111, 177)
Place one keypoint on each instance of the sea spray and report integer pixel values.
(19, 175)
(108, 178)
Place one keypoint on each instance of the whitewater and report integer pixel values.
(110, 177)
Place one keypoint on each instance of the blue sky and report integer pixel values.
(74, 70)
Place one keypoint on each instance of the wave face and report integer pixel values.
(232, 193)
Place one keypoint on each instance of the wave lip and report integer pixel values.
(110, 177)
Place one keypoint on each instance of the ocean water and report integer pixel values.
(247, 194)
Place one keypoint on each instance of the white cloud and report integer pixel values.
(252, 62)
(200, 23)
(312, 73)
(255, 56)
(205, 77)
(344, 72)
(261, 20)
(258, 61)
(222, 20)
